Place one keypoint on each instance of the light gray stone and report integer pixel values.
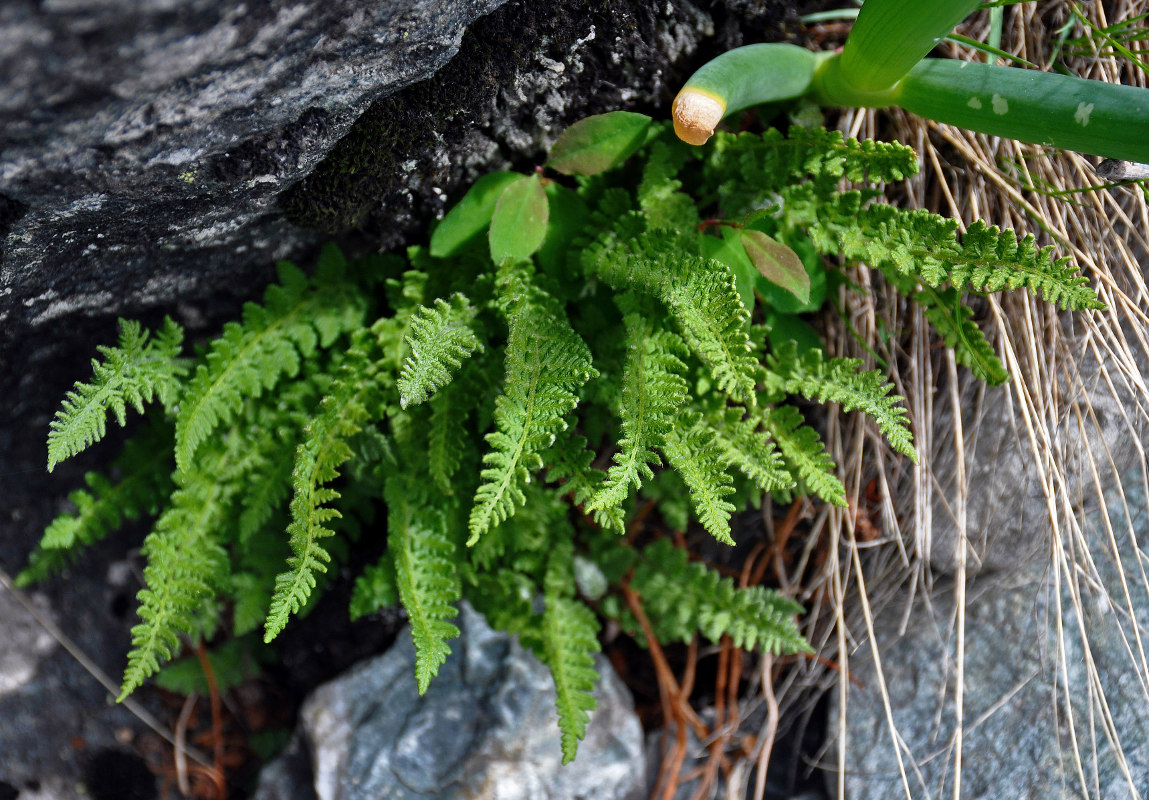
(1007, 520)
(25, 642)
(1018, 743)
(486, 728)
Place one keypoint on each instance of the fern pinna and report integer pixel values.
(563, 348)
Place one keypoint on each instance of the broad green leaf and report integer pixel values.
(599, 143)
(567, 215)
(519, 224)
(777, 263)
(791, 328)
(471, 215)
(729, 251)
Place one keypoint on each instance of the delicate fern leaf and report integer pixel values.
(652, 390)
(353, 401)
(693, 450)
(954, 321)
(546, 362)
(682, 597)
(750, 449)
(570, 639)
(701, 294)
(425, 573)
(803, 450)
(926, 246)
(253, 356)
(702, 297)
(134, 373)
(747, 167)
(662, 203)
(438, 340)
(569, 460)
(839, 380)
(448, 433)
(707, 307)
(186, 562)
(993, 260)
(100, 509)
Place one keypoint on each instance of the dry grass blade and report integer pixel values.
(1077, 407)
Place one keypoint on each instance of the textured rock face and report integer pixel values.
(485, 728)
(57, 732)
(139, 134)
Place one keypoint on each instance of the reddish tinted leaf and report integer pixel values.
(777, 263)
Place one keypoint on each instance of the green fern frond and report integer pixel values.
(377, 587)
(750, 449)
(253, 356)
(693, 450)
(839, 380)
(546, 362)
(353, 401)
(953, 319)
(746, 168)
(706, 304)
(994, 260)
(802, 448)
(186, 561)
(425, 573)
(146, 467)
(652, 390)
(700, 293)
(570, 640)
(438, 340)
(568, 461)
(662, 203)
(927, 247)
(141, 368)
(682, 597)
(448, 434)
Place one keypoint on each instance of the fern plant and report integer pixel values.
(562, 348)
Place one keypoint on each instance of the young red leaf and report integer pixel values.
(778, 263)
(519, 224)
(471, 215)
(599, 143)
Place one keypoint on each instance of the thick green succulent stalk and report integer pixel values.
(891, 36)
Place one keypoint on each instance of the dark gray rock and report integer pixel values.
(485, 728)
(57, 723)
(142, 137)
(1034, 715)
